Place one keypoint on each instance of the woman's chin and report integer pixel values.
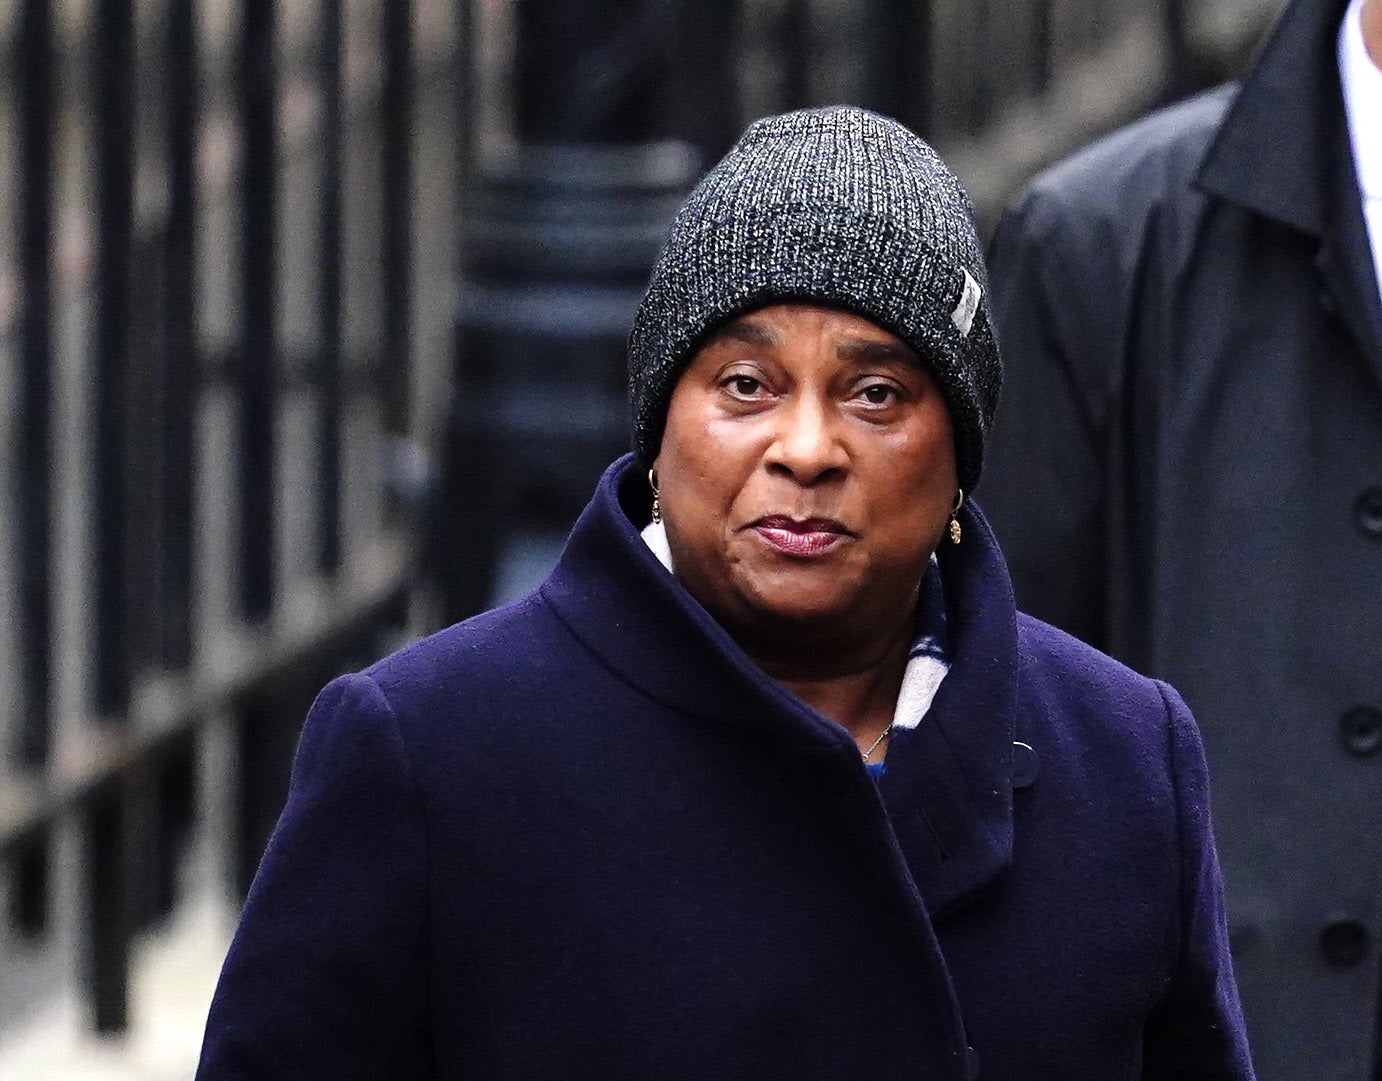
(804, 605)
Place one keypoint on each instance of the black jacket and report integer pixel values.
(1187, 473)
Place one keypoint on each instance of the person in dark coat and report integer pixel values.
(1188, 475)
(769, 779)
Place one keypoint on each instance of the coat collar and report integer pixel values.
(1274, 150)
(948, 785)
(1283, 151)
(947, 789)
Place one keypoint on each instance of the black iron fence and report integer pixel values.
(248, 251)
(207, 324)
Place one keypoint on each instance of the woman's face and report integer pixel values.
(806, 473)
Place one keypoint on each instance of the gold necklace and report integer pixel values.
(881, 737)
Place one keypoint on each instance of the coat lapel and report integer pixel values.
(1271, 152)
(948, 784)
(1283, 151)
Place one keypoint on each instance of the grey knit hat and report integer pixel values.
(835, 206)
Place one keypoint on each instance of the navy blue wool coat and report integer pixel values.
(584, 836)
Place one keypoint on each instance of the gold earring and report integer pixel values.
(657, 505)
(955, 531)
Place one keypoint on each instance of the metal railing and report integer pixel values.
(209, 321)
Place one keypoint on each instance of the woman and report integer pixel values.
(768, 779)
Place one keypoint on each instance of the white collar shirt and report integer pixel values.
(1362, 88)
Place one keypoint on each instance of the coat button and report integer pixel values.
(1026, 765)
(1360, 730)
(1368, 511)
(1344, 942)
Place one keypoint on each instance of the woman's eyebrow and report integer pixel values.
(861, 350)
(746, 331)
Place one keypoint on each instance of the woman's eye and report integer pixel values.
(879, 394)
(745, 386)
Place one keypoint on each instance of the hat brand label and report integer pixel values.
(963, 315)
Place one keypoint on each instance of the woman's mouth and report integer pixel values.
(801, 538)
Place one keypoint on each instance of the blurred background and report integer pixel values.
(311, 340)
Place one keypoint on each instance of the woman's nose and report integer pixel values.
(807, 445)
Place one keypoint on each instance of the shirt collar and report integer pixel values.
(1362, 89)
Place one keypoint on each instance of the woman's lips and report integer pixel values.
(800, 538)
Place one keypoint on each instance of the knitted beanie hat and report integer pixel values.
(835, 206)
